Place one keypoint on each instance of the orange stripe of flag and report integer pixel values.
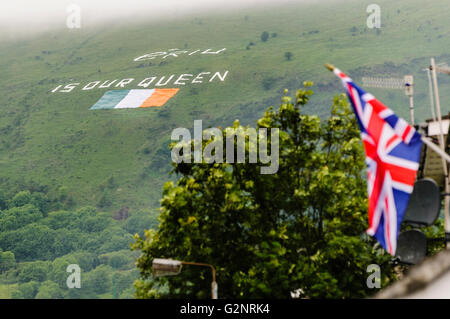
(159, 97)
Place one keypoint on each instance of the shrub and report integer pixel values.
(264, 36)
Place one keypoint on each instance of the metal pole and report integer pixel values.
(430, 89)
(447, 188)
(411, 109)
(214, 287)
(438, 110)
(214, 290)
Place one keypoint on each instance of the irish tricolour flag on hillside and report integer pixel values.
(131, 99)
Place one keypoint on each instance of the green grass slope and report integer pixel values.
(115, 158)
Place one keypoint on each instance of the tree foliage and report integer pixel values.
(26, 290)
(39, 240)
(301, 229)
(288, 55)
(49, 290)
(264, 36)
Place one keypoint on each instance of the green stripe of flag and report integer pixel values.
(110, 99)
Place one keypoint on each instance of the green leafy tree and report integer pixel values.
(63, 193)
(105, 200)
(288, 55)
(7, 260)
(111, 183)
(3, 200)
(34, 271)
(59, 219)
(140, 220)
(98, 280)
(118, 259)
(125, 280)
(127, 294)
(301, 229)
(94, 224)
(114, 239)
(65, 241)
(21, 198)
(264, 36)
(17, 217)
(59, 272)
(49, 290)
(26, 290)
(31, 242)
(41, 201)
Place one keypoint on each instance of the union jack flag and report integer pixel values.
(392, 150)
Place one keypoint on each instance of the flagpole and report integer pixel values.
(438, 111)
(441, 139)
(430, 89)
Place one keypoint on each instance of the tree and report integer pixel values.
(41, 201)
(118, 259)
(17, 217)
(31, 242)
(49, 290)
(110, 183)
(301, 229)
(26, 290)
(141, 219)
(21, 198)
(34, 271)
(125, 280)
(288, 55)
(7, 260)
(98, 280)
(105, 200)
(3, 201)
(65, 241)
(114, 238)
(59, 272)
(264, 36)
(127, 294)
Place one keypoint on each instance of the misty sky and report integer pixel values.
(40, 15)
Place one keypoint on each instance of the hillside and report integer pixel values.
(53, 139)
(52, 143)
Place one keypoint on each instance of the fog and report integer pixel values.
(30, 16)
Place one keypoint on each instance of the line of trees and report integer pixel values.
(39, 239)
